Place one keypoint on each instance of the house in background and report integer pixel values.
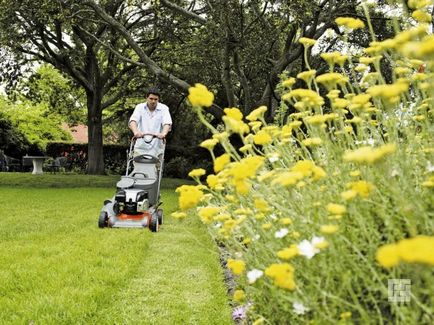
(79, 133)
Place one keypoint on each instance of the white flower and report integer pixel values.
(281, 233)
(317, 240)
(430, 167)
(273, 216)
(299, 308)
(254, 275)
(273, 158)
(307, 249)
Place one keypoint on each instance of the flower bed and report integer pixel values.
(325, 211)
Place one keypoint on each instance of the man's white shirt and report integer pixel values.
(150, 122)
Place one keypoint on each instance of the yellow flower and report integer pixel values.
(199, 95)
(421, 16)
(346, 315)
(413, 250)
(197, 172)
(262, 137)
(360, 102)
(351, 23)
(316, 119)
(255, 125)
(239, 295)
(368, 154)
(242, 186)
(288, 253)
(206, 214)
(221, 162)
(355, 120)
(266, 226)
(329, 229)
(261, 205)
(429, 182)
(307, 97)
(286, 132)
(234, 125)
(333, 58)
(334, 208)
(246, 167)
(256, 113)
(286, 221)
(288, 83)
(212, 181)
(221, 136)
(417, 250)
(318, 173)
(209, 144)
(246, 148)
(418, 4)
(179, 215)
(282, 274)
(307, 76)
(340, 103)
(307, 42)
(304, 167)
(312, 142)
(361, 188)
(331, 79)
(236, 266)
(228, 225)
(390, 93)
(355, 173)
(287, 178)
(388, 255)
(234, 113)
(189, 196)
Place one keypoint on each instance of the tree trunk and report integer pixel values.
(95, 156)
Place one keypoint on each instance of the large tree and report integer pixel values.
(68, 36)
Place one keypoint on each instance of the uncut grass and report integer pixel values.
(56, 266)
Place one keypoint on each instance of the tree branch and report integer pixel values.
(147, 61)
(184, 12)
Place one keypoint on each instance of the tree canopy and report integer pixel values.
(111, 49)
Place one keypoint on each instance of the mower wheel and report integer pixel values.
(160, 216)
(103, 219)
(154, 226)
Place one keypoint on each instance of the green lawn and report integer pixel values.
(58, 267)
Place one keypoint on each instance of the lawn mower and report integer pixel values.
(137, 198)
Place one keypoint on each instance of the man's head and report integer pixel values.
(152, 98)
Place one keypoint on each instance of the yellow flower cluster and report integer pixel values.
(369, 155)
(189, 196)
(288, 181)
(359, 188)
(304, 99)
(282, 274)
(413, 250)
(199, 95)
(390, 93)
(236, 266)
(351, 23)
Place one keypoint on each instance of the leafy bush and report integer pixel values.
(321, 211)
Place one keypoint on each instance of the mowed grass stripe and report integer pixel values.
(56, 266)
